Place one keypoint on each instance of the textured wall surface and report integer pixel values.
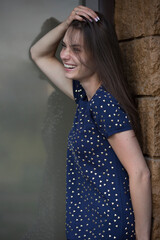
(137, 25)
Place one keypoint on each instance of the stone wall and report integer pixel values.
(137, 25)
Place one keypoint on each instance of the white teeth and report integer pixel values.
(69, 66)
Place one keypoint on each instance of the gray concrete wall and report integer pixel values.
(93, 4)
(34, 122)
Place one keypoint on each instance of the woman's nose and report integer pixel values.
(65, 54)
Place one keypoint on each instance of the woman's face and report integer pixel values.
(73, 55)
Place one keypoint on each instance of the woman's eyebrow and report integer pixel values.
(75, 45)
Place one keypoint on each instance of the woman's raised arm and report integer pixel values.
(43, 51)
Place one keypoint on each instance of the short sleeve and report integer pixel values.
(108, 115)
(78, 91)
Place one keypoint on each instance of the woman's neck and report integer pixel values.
(90, 86)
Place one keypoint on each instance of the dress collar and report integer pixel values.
(84, 95)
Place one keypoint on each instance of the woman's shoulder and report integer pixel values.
(105, 104)
(107, 113)
(103, 98)
(78, 90)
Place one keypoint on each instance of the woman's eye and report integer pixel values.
(76, 49)
(63, 45)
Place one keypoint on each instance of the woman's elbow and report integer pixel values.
(142, 175)
(32, 53)
(146, 174)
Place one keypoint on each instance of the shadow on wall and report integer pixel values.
(50, 221)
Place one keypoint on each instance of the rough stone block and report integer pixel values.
(136, 18)
(141, 60)
(156, 229)
(149, 112)
(154, 166)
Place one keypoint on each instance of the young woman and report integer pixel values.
(108, 193)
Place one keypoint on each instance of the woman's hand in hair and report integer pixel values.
(80, 13)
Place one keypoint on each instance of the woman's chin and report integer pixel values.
(70, 75)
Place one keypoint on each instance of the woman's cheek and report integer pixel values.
(61, 52)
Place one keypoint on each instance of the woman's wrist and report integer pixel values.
(66, 24)
(143, 236)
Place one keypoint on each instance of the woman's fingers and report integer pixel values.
(81, 11)
(87, 11)
(79, 18)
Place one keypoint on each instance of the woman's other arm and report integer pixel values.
(128, 151)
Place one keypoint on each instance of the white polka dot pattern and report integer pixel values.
(98, 204)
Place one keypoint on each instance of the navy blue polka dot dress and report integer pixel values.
(98, 204)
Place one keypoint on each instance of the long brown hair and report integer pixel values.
(101, 42)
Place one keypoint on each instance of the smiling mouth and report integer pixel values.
(67, 66)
